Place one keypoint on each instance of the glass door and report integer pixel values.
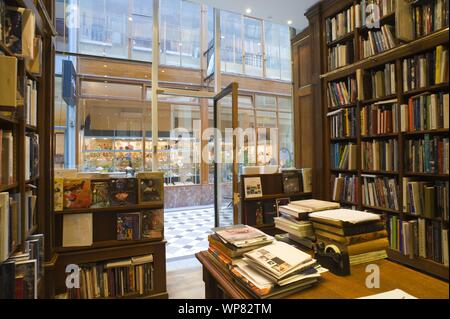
(226, 192)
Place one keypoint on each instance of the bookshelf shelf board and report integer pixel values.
(379, 136)
(379, 99)
(5, 188)
(275, 196)
(32, 76)
(426, 265)
(7, 120)
(431, 175)
(31, 128)
(364, 172)
(344, 38)
(430, 132)
(423, 44)
(112, 209)
(437, 219)
(343, 139)
(345, 106)
(381, 209)
(433, 88)
(113, 244)
(345, 171)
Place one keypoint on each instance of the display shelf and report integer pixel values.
(379, 99)
(6, 120)
(379, 136)
(345, 38)
(108, 244)
(430, 175)
(343, 139)
(432, 88)
(381, 209)
(112, 209)
(6, 188)
(429, 132)
(275, 196)
(369, 172)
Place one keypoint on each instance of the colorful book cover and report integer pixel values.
(77, 193)
(151, 187)
(100, 194)
(123, 191)
(128, 226)
(153, 224)
(58, 189)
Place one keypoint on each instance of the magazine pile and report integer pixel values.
(262, 266)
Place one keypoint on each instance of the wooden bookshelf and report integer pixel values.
(17, 123)
(317, 16)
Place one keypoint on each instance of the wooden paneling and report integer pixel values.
(306, 135)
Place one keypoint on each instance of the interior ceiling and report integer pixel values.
(279, 11)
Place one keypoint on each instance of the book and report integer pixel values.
(343, 123)
(340, 55)
(374, 245)
(253, 187)
(77, 193)
(404, 29)
(26, 279)
(344, 156)
(380, 192)
(380, 155)
(7, 276)
(2, 20)
(343, 217)
(425, 112)
(8, 81)
(393, 294)
(153, 224)
(77, 230)
(351, 240)
(100, 194)
(4, 226)
(20, 26)
(350, 230)
(345, 188)
(292, 181)
(230, 250)
(151, 187)
(123, 191)
(37, 248)
(314, 205)
(342, 92)
(129, 226)
(427, 155)
(307, 180)
(380, 118)
(34, 66)
(426, 199)
(278, 260)
(58, 195)
(242, 236)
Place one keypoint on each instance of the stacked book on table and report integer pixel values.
(293, 219)
(362, 235)
(263, 267)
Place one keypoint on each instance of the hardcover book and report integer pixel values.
(128, 226)
(291, 182)
(13, 31)
(2, 20)
(7, 284)
(153, 224)
(77, 193)
(58, 188)
(122, 191)
(151, 187)
(100, 194)
(26, 279)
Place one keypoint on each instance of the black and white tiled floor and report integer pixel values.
(186, 231)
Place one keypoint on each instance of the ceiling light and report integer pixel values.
(289, 22)
(248, 11)
(130, 19)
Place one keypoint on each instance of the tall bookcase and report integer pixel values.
(16, 119)
(355, 67)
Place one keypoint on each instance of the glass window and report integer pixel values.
(278, 51)
(285, 104)
(286, 138)
(142, 26)
(253, 47)
(231, 35)
(265, 102)
(111, 90)
(190, 34)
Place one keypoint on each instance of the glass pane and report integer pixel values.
(286, 138)
(170, 32)
(231, 34)
(111, 90)
(141, 38)
(273, 50)
(266, 119)
(285, 54)
(285, 104)
(190, 34)
(103, 28)
(265, 102)
(253, 47)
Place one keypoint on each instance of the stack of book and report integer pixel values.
(228, 245)
(428, 155)
(429, 16)
(343, 123)
(380, 118)
(276, 271)
(340, 25)
(293, 219)
(379, 82)
(380, 192)
(378, 41)
(362, 235)
(342, 92)
(380, 155)
(345, 188)
(340, 55)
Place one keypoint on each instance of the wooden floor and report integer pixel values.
(185, 279)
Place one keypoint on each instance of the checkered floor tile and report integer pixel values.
(187, 231)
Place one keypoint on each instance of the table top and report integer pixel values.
(392, 276)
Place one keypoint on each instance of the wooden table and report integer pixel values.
(221, 284)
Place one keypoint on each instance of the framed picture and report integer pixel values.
(282, 202)
(150, 188)
(253, 187)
